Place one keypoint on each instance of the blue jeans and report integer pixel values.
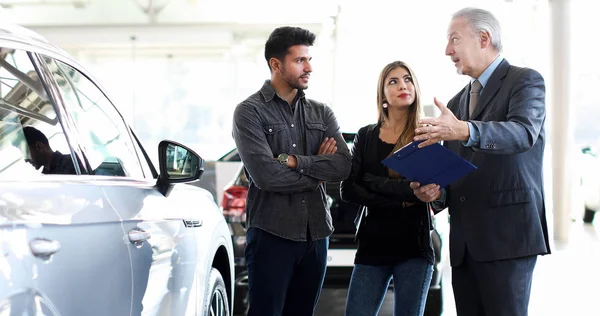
(284, 276)
(370, 283)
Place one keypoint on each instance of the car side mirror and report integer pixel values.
(177, 164)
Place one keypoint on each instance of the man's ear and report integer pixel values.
(40, 147)
(484, 39)
(275, 64)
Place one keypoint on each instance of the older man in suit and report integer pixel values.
(497, 213)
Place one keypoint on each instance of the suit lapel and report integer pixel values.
(491, 87)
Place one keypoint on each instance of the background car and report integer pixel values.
(88, 226)
(342, 247)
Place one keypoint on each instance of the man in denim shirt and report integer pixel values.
(290, 147)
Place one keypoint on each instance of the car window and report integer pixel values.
(32, 141)
(104, 137)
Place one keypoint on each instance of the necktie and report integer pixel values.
(474, 97)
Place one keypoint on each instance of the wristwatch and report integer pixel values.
(283, 159)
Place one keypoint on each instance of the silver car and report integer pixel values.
(88, 226)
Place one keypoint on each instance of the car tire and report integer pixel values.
(588, 216)
(216, 301)
(435, 303)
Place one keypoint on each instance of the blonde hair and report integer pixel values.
(414, 113)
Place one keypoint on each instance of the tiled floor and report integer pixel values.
(565, 283)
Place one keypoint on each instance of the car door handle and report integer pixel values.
(138, 236)
(44, 248)
(192, 223)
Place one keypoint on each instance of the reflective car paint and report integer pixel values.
(89, 245)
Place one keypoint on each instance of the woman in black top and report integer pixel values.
(393, 226)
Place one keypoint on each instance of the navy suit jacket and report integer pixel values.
(498, 211)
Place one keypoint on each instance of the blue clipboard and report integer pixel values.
(431, 164)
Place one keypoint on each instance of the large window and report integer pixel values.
(32, 142)
(103, 135)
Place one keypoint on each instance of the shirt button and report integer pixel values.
(302, 201)
(293, 145)
(462, 198)
(301, 170)
(292, 125)
(270, 130)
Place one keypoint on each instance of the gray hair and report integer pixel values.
(482, 21)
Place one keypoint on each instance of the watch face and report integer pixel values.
(283, 159)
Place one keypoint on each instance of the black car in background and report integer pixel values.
(342, 246)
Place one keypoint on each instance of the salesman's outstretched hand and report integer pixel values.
(444, 127)
(426, 193)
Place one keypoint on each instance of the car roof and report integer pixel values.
(19, 37)
(19, 34)
(17, 31)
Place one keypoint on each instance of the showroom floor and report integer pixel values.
(565, 283)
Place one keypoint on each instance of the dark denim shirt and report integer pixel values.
(288, 202)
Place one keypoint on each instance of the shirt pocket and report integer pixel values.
(315, 133)
(276, 134)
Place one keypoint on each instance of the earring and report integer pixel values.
(385, 105)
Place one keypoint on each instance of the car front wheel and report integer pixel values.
(216, 301)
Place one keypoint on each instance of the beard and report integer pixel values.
(293, 82)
